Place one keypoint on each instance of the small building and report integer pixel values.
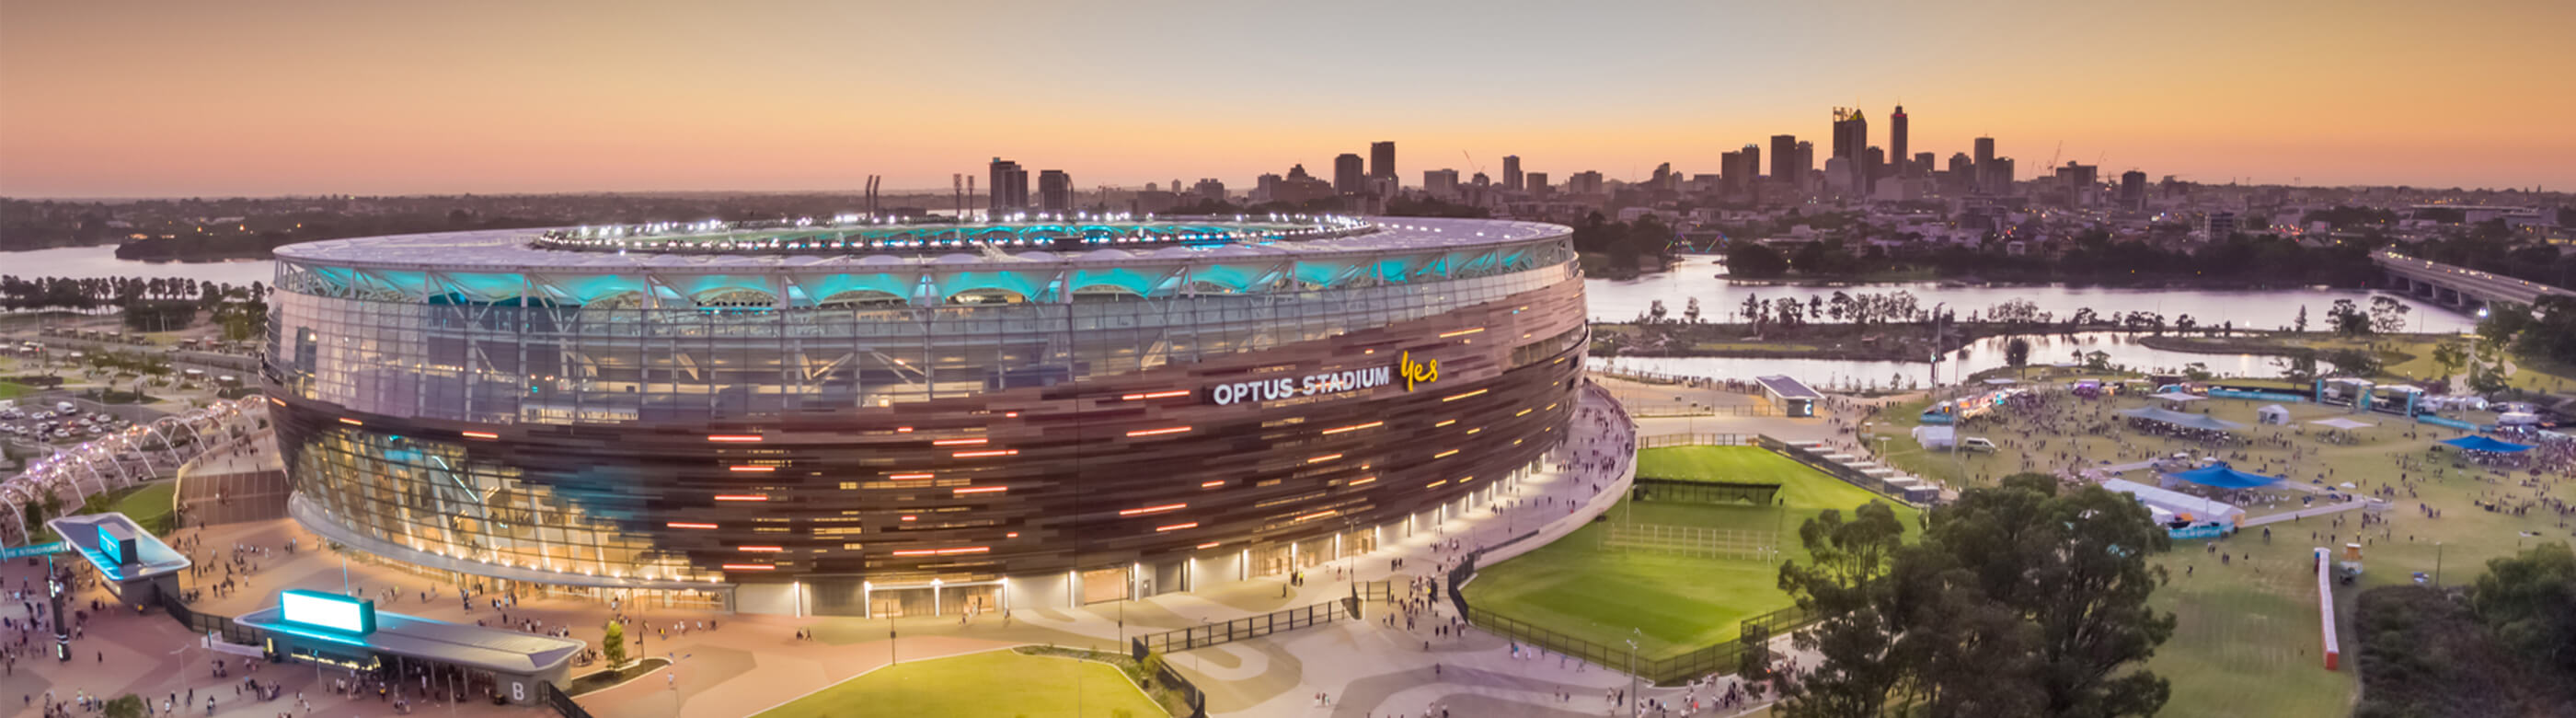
(1792, 397)
(344, 632)
(132, 564)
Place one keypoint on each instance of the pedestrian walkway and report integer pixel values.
(2304, 513)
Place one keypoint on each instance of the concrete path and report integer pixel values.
(2304, 513)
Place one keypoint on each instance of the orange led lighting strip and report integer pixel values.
(962, 491)
(1354, 427)
(748, 469)
(1155, 395)
(1153, 509)
(741, 497)
(763, 549)
(909, 477)
(1158, 432)
(1176, 527)
(749, 567)
(481, 435)
(737, 438)
(995, 452)
(687, 525)
(958, 442)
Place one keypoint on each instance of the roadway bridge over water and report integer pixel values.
(2460, 287)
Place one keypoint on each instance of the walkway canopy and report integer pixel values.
(2481, 443)
(2178, 396)
(2222, 476)
(2342, 423)
(2182, 419)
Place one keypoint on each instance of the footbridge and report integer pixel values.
(2459, 286)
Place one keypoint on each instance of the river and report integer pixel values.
(101, 261)
(1696, 276)
(1621, 300)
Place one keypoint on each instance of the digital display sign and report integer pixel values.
(327, 611)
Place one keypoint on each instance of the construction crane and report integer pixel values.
(2052, 156)
(1471, 162)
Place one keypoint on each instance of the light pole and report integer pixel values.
(2437, 564)
(1634, 634)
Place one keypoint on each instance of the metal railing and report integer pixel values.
(562, 704)
(1246, 628)
(1663, 440)
(201, 623)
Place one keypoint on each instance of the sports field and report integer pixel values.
(1677, 603)
(992, 683)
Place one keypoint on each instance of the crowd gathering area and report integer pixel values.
(2418, 509)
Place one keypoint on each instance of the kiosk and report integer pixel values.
(133, 564)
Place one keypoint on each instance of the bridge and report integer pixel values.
(2460, 287)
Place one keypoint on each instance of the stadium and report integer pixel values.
(867, 418)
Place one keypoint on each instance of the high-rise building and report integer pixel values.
(1784, 160)
(1537, 182)
(1873, 166)
(1347, 174)
(1512, 172)
(1962, 175)
(1985, 157)
(1585, 182)
(1440, 182)
(1752, 164)
(1731, 171)
(1055, 191)
(1995, 176)
(1208, 189)
(1921, 166)
(1010, 187)
(1896, 139)
(2218, 225)
(1382, 159)
(2133, 190)
(1851, 133)
(1806, 163)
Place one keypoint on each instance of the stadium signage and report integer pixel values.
(1331, 382)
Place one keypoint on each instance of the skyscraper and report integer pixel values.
(1512, 172)
(1347, 174)
(1010, 186)
(1055, 191)
(1806, 161)
(1537, 182)
(1851, 133)
(1731, 171)
(2133, 190)
(1921, 166)
(1985, 159)
(1382, 159)
(1784, 160)
(1896, 142)
(1752, 165)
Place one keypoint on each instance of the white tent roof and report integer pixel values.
(2178, 396)
(2342, 423)
(2175, 501)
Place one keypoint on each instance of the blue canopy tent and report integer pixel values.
(2221, 476)
(2481, 443)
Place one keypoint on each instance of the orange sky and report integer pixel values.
(262, 98)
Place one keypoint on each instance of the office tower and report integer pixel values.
(1921, 166)
(1347, 174)
(1851, 133)
(1806, 163)
(1730, 171)
(1481, 180)
(1995, 176)
(1265, 188)
(1209, 189)
(1382, 159)
(1985, 157)
(1962, 177)
(1873, 166)
(1055, 191)
(1440, 182)
(1896, 140)
(1010, 186)
(1784, 160)
(1585, 182)
(1512, 172)
(1537, 182)
(2133, 190)
(1752, 163)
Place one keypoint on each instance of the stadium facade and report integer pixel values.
(869, 419)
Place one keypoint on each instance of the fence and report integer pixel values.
(1663, 440)
(207, 623)
(1698, 541)
(1848, 474)
(1247, 627)
(563, 704)
(1172, 680)
(1686, 491)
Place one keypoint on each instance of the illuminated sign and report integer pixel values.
(1423, 372)
(1332, 382)
(327, 611)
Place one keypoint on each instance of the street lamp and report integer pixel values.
(1634, 634)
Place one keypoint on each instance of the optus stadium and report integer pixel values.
(885, 419)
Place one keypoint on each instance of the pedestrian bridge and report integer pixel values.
(2459, 286)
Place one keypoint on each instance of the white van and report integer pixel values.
(66, 407)
(1978, 443)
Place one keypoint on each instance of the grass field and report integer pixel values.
(2246, 640)
(1678, 603)
(992, 683)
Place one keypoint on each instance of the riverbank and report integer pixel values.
(1898, 342)
(2408, 357)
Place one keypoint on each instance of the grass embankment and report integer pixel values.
(1679, 603)
(992, 683)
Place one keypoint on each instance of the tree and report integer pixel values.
(2450, 356)
(2387, 315)
(1753, 259)
(1690, 312)
(2300, 368)
(2017, 354)
(2348, 320)
(613, 646)
(2354, 362)
(127, 706)
(1841, 584)
(2074, 564)
(2300, 324)
(2529, 600)
(2196, 371)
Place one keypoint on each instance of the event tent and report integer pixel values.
(2272, 414)
(2182, 418)
(2481, 443)
(2178, 396)
(2342, 423)
(2182, 505)
(2220, 475)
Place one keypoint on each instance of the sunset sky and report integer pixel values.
(120, 99)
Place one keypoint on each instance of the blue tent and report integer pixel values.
(2481, 443)
(2221, 476)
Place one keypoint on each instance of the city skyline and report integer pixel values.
(687, 98)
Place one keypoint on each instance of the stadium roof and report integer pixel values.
(492, 649)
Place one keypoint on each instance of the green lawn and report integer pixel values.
(2246, 639)
(992, 683)
(13, 390)
(149, 503)
(1680, 603)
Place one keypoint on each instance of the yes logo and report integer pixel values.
(1423, 372)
